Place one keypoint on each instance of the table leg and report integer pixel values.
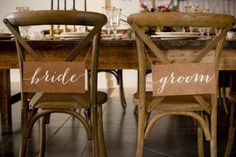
(5, 104)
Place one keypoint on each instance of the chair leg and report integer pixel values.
(47, 118)
(200, 142)
(135, 111)
(101, 141)
(213, 141)
(23, 139)
(121, 86)
(231, 132)
(94, 125)
(223, 96)
(224, 100)
(23, 144)
(43, 122)
(136, 106)
(140, 134)
(88, 78)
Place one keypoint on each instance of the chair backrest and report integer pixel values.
(38, 59)
(179, 79)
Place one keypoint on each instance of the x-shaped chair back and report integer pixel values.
(68, 102)
(193, 103)
(177, 19)
(32, 18)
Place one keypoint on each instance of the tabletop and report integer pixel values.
(117, 54)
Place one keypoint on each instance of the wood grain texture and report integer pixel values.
(120, 54)
(171, 104)
(48, 100)
(174, 19)
(6, 120)
(43, 17)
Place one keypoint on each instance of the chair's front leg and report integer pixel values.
(142, 123)
(213, 141)
(24, 121)
(43, 122)
(121, 89)
(200, 141)
(101, 140)
(231, 132)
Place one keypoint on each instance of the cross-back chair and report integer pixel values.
(201, 106)
(38, 103)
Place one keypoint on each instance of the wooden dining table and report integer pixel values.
(113, 54)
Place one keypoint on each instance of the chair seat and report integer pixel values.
(172, 103)
(232, 97)
(68, 100)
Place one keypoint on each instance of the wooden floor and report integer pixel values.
(173, 137)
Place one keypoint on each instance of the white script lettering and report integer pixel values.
(64, 78)
(172, 79)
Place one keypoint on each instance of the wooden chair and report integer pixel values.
(200, 105)
(231, 96)
(40, 102)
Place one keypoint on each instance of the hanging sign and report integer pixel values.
(56, 77)
(183, 79)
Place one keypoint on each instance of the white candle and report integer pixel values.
(64, 4)
(51, 4)
(73, 4)
(58, 5)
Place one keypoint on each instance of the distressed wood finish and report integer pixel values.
(114, 54)
(37, 105)
(5, 95)
(195, 106)
(119, 54)
(43, 17)
(179, 19)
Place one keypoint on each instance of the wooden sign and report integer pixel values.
(183, 79)
(56, 77)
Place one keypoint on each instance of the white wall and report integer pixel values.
(128, 7)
